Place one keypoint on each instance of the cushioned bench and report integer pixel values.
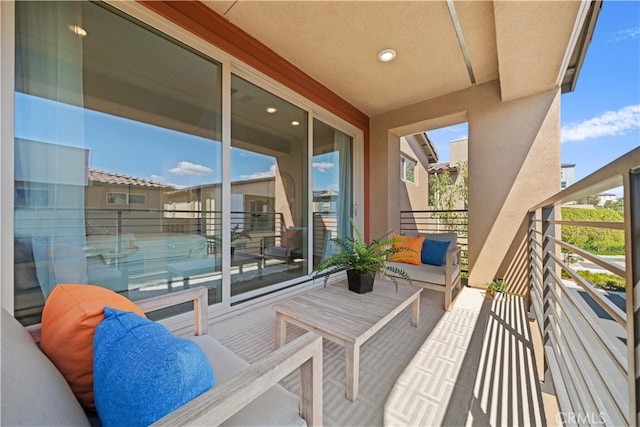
(440, 278)
(35, 393)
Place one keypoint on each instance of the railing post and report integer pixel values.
(548, 265)
(532, 257)
(119, 233)
(632, 240)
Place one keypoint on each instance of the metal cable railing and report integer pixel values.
(589, 335)
(440, 221)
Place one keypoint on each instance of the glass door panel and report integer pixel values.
(332, 188)
(117, 156)
(269, 157)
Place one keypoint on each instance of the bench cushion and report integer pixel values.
(34, 393)
(276, 407)
(425, 272)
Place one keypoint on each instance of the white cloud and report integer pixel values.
(162, 180)
(188, 168)
(258, 175)
(322, 166)
(629, 33)
(607, 124)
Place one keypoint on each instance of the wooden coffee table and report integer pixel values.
(347, 318)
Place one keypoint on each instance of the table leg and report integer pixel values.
(353, 370)
(415, 315)
(281, 330)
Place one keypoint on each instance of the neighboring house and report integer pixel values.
(121, 203)
(416, 152)
(325, 201)
(567, 174)
(606, 197)
(252, 206)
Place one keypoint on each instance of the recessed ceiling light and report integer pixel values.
(295, 123)
(76, 29)
(271, 110)
(387, 55)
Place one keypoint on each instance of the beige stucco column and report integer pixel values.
(514, 163)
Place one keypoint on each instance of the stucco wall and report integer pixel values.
(514, 163)
(514, 154)
(414, 196)
(458, 151)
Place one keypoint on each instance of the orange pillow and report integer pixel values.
(292, 239)
(411, 256)
(69, 320)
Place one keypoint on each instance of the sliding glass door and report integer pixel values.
(269, 157)
(119, 172)
(117, 156)
(332, 188)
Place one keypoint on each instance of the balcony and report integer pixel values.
(491, 360)
(541, 359)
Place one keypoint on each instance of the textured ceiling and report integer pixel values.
(337, 42)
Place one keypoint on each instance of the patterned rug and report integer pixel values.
(382, 359)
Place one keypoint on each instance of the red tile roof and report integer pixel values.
(434, 168)
(118, 179)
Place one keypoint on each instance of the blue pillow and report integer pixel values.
(433, 252)
(142, 371)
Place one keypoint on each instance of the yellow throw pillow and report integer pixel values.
(412, 246)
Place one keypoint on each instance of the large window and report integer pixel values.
(119, 172)
(117, 156)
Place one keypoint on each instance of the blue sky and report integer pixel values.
(601, 119)
(114, 145)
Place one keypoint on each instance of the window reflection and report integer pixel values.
(332, 188)
(109, 127)
(268, 189)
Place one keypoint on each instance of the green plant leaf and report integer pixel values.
(362, 257)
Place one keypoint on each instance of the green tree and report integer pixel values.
(590, 200)
(445, 193)
(617, 205)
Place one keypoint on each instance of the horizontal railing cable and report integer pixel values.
(618, 315)
(590, 224)
(589, 325)
(591, 345)
(607, 265)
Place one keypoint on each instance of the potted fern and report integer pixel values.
(362, 261)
